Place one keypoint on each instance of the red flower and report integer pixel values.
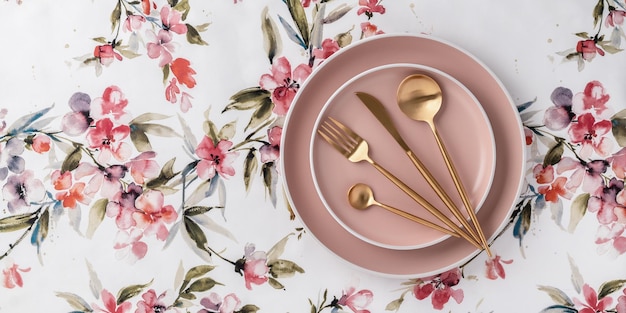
(110, 304)
(215, 158)
(143, 166)
(112, 104)
(593, 304)
(150, 303)
(329, 47)
(592, 100)
(255, 269)
(283, 83)
(494, 267)
(528, 134)
(181, 69)
(11, 276)
(588, 49)
(368, 29)
(440, 289)
(543, 175)
(41, 143)
(172, 90)
(105, 54)
(605, 203)
(171, 20)
(271, 151)
(357, 301)
(369, 7)
(108, 140)
(556, 189)
(590, 135)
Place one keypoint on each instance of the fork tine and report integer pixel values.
(339, 135)
(331, 139)
(346, 130)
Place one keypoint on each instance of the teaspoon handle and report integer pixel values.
(417, 219)
(460, 189)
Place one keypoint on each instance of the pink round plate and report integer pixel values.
(463, 126)
(343, 66)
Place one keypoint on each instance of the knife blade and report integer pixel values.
(380, 112)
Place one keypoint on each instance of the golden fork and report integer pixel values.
(356, 149)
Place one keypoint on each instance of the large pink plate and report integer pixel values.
(473, 154)
(377, 51)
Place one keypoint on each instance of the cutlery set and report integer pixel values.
(420, 98)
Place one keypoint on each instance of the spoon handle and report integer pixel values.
(417, 219)
(461, 190)
(424, 203)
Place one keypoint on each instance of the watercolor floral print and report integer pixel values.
(104, 168)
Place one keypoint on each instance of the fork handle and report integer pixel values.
(423, 202)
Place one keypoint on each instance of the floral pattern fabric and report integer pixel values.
(140, 157)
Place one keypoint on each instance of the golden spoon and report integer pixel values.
(361, 197)
(420, 98)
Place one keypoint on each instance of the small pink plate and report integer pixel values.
(367, 54)
(463, 126)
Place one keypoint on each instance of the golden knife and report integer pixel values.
(379, 111)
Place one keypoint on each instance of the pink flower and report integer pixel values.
(305, 3)
(171, 20)
(129, 245)
(329, 47)
(160, 46)
(587, 174)
(216, 159)
(440, 289)
(543, 175)
(41, 143)
(615, 17)
(612, 237)
(592, 100)
(11, 276)
(369, 7)
(214, 303)
(150, 303)
(605, 204)
(494, 267)
(172, 90)
(588, 49)
(105, 54)
(593, 304)
(109, 140)
(121, 206)
(134, 22)
(590, 134)
(152, 215)
(283, 83)
(621, 303)
(143, 166)
(555, 190)
(76, 122)
(357, 301)
(528, 134)
(185, 102)
(271, 151)
(22, 189)
(368, 29)
(69, 195)
(111, 105)
(255, 269)
(618, 163)
(106, 180)
(110, 304)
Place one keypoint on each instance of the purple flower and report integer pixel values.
(20, 190)
(76, 122)
(560, 115)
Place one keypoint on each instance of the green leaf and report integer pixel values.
(299, 17)
(249, 308)
(337, 13)
(317, 30)
(198, 271)
(42, 228)
(196, 210)
(101, 40)
(271, 42)
(25, 122)
(284, 268)
(247, 99)
(557, 295)
(130, 291)
(72, 160)
(210, 130)
(598, 10)
(559, 309)
(250, 167)
(578, 210)
(261, 114)
(394, 305)
(188, 296)
(17, 222)
(147, 117)
(583, 35)
(196, 234)
(619, 127)
(270, 179)
(96, 215)
(554, 155)
(158, 130)
(166, 73)
(166, 174)
(129, 54)
(202, 284)
(193, 36)
(182, 7)
(116, 15)
(140, 139)
(227, 131)
(75, 301)
(344, 39)
(275, 283)
(610, 287)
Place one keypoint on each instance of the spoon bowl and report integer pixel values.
(420, 97)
